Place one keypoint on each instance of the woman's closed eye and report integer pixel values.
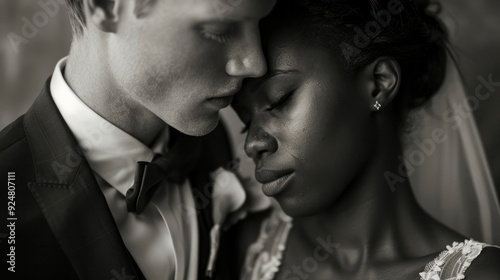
(281, 101)
(282, 98)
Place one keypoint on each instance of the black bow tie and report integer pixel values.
(173, 166)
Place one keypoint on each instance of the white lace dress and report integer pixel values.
(264, 256)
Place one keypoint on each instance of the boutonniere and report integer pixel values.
(233, 198)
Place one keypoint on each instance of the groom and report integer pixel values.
(144, 79)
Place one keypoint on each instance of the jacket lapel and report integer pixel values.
(70, 199)
(216, 152)
(200, 184)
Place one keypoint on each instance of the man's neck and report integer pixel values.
(88, 75)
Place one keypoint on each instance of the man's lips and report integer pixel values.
(221, 102)
(224, 99)
(230, 92)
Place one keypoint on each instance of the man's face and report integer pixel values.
(185, 59)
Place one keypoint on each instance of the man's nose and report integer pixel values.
(247, 58)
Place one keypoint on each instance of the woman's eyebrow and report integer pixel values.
(278, 72)
(274, 73)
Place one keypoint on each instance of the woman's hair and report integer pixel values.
(360, 31)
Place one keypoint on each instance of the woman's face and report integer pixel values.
(310, 130)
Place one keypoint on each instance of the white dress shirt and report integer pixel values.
(163, 240)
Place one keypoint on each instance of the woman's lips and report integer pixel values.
(273, 181)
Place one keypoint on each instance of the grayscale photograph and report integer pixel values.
(250, 139)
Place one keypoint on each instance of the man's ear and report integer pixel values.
(104, 14)
(385, 74)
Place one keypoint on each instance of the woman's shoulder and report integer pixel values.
(465, 260)
(486, 266)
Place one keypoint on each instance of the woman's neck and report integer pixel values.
(377, 218)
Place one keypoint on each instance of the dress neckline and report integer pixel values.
(264, 256)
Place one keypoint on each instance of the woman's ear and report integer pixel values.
(386, 76)
(104, 14)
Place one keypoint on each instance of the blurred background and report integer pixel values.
(27, 61)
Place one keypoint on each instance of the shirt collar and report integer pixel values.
(111, 152)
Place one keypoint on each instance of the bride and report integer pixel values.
(326, 128)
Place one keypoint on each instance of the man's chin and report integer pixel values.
(199, 127)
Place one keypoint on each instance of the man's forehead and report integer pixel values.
(238, 10)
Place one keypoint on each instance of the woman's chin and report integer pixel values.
(297, 207)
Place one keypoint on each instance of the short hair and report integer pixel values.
(77, 14)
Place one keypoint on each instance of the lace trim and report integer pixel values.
(264, 257)
(452, 263)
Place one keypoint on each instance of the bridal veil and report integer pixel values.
(447, 166)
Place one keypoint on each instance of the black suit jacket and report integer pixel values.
(64, 229)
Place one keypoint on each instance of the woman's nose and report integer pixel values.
(259, 144)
